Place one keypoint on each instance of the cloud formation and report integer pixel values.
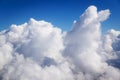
(39, 51)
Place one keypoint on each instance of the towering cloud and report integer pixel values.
(39, 51)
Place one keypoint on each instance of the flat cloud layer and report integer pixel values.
(39, 51)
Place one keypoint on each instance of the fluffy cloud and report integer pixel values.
(39, 51)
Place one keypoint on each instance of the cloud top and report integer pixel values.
(39, 51)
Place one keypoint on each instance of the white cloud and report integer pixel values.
(39, 51)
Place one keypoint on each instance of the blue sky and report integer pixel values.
(60, 13)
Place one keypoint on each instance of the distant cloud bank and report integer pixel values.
(39, 51)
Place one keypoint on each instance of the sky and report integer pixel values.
(37, 50)
(60, 13)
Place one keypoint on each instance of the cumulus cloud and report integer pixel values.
(39, 51)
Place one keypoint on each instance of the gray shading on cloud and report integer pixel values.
(37, 50)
